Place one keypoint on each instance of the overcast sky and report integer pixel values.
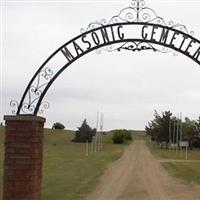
(126, 86)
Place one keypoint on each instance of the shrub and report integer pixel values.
(120, 136)
(196, 142)
(127, 135)
(58, 125)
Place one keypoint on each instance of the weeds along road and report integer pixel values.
(137, 175)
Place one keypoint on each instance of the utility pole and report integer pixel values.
(181, 131)
(174, 134)
(92, 144)
(177, 135)
(169, 133)
(96, 135)
(87, 149)
(101, 130)
(186, 153)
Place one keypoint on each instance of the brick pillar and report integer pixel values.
(23, 157)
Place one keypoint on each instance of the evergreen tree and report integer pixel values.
(165, 126)
(158, 128)
(84, 133)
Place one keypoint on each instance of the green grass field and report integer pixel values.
(67, 172)
(138, 135)
(171, 154)
(186, 170)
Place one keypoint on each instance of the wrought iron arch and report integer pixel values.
(153, 33)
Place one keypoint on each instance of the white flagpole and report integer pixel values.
(177, 129)
(87, 153)
(169, 134)
(181, 131)
(92, 144)
(174, 134)
(101, 130)
(96, 135)
(186, 152)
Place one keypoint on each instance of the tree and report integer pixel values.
(190, 130)
(196, 139)
(84, 133)
(158, 128)
(58, 125)
(165, 126)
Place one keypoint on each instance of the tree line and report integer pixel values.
(86, 134)
(171, 129)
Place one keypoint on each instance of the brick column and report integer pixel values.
(23, 157)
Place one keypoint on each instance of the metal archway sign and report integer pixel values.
(135, 28)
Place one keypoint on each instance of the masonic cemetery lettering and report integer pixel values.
(150, 33)
(173, 39)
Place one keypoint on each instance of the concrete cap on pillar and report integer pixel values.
(24, 118)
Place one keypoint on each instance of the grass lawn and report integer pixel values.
(170, 154)
(186, 170)
(138, 135)
(68, 174)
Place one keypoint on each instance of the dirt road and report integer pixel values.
(137, 175)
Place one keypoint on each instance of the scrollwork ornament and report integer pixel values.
(165, 50)
(109, 48)
(14, 104)
(175, 53)
(136, 12)
(192, 33)
(135, 46)
(27, 108)
(35, 91)
(115, 19)
(139, 46)
(46, 73)
(82, 30)
(138, 3)
(104, 22)
(98, 51)
(147, 15)
(134, 3)
(160, 21)
(171, 23)
(93, 25)
(141, 3)
(44, 106)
